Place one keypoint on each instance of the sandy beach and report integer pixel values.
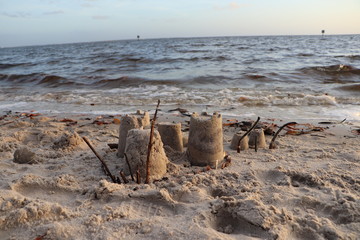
(53, 186)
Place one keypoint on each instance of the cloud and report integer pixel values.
(16, 15)
(29, 15)
(99, 17)
(234, 5)
(230, 6)
(54, 12)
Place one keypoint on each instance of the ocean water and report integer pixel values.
(286, 77)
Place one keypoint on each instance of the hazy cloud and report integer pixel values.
(54, 12)
(16, 15)
(234, 5)
(99, 17)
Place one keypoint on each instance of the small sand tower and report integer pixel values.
(244, 144)
(128, 122)
(205, 144)
(136, 151)
(171, 135)
(258, 136)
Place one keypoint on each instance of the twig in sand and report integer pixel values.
(122, 175)
(131, 173)
(147, 180)
(41, 237)
(6, 123)
(272, 143)
(256, 143)
(334, 122)
(253, 126)
(101, 160)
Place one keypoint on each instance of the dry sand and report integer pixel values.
(307, 188)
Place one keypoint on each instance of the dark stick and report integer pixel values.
(253, 126)
(131, 173)
(101, 160)
(272, 143)
(122, 175)
(6, 123)
(147, 180)
(256, 143)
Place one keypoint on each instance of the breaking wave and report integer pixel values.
(339, 69)
(35, 79)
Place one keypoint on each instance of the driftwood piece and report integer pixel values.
(101, 160)
(147, 180)
(272, 143)
(253, 126)
(183, 111)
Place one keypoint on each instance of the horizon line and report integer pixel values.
(187, 37)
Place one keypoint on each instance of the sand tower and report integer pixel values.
(244, 144)
(258, 136)
(171, 135)
(128, 122)
(205, 144)
(136, 151)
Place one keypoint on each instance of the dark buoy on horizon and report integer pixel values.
(323, 32)
(138, 37)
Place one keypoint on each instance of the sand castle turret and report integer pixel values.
(244, 144)
(136, 152)
(128, 122)
(171, 135)
(258, 136)
(205, 145)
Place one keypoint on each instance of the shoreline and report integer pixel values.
(290, 113)
(307, 188)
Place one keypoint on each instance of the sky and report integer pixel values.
(37, 22)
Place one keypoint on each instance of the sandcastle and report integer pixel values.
(205, 146)
(257, 136)
(244, 144)
(171, 135)
(136, 152)
(128, 122)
